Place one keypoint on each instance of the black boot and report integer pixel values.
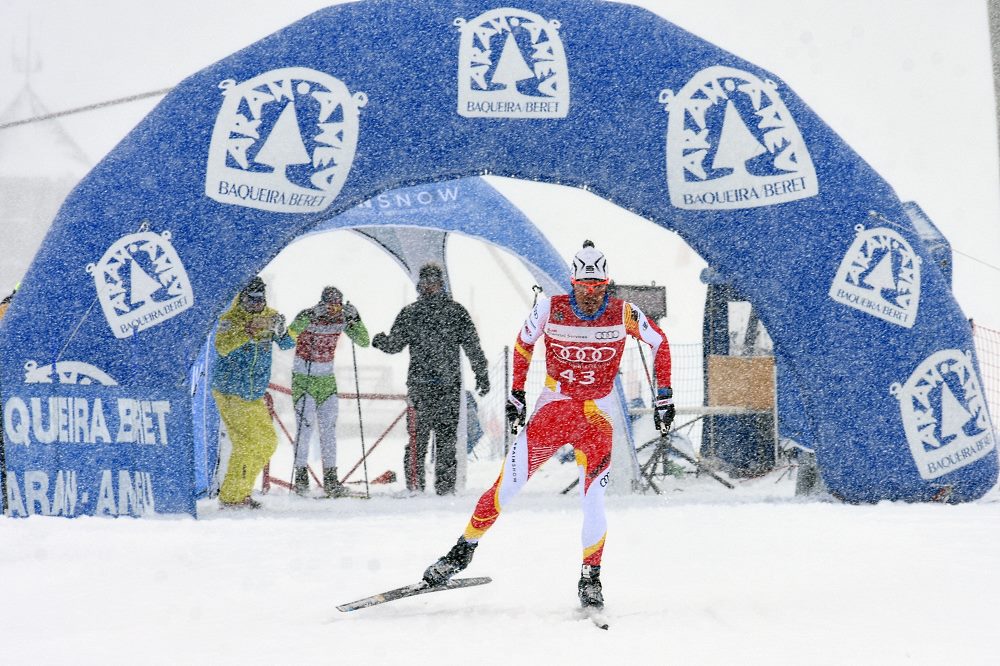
(456, 560)
(247, 503)
(589, 587)
(301, 483)
(331, 486)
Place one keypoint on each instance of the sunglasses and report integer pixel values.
(590, 285)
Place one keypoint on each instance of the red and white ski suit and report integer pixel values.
(582, 355)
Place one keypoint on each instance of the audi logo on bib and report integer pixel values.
(576, 354)
(607, 335)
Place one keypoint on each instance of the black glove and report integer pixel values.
(663, 410)
(515, 410)
(351, 315)
(378, 342)
(482, 385)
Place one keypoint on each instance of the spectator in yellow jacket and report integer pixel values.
(242, 372)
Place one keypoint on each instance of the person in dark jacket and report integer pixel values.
(435, 328)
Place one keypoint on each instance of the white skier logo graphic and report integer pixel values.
(141, 282)
(511, 64)
(731, 143)
(944, 414)
(66, 372)
(283, 141)
(880, 275)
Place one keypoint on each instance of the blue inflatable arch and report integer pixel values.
(357, 99)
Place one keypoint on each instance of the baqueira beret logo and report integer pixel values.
(511, 64)
(880, 276)
(732, 144)
(284, 141)
(141, 283)
(944, 414)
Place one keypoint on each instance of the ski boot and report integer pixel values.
(331, 486)
(589, 587)
(247, 503)
(456, 560)
(301, 483)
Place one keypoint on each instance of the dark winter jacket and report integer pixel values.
(434, 327)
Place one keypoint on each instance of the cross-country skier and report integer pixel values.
(316, 331)
(584, 335)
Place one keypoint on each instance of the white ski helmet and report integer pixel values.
(589, 263)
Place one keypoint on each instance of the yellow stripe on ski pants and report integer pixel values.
(249, 426)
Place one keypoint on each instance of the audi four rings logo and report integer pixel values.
(584, 354)
(607, 335)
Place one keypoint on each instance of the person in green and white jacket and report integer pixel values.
(316, 332)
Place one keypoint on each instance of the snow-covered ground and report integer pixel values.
(699, 575)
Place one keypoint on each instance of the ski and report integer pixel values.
(411, 591)
(352, 495)
(596, 616)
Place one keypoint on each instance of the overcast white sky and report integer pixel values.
(908, 83)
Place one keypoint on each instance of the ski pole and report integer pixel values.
(652, 389)
(649, 378)
(506, 392)
(361, 423)
(298, 427)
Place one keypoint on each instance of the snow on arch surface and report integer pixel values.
(369, 96)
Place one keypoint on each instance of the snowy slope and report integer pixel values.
(694, 577)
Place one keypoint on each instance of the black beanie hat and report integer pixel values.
(254, 289)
